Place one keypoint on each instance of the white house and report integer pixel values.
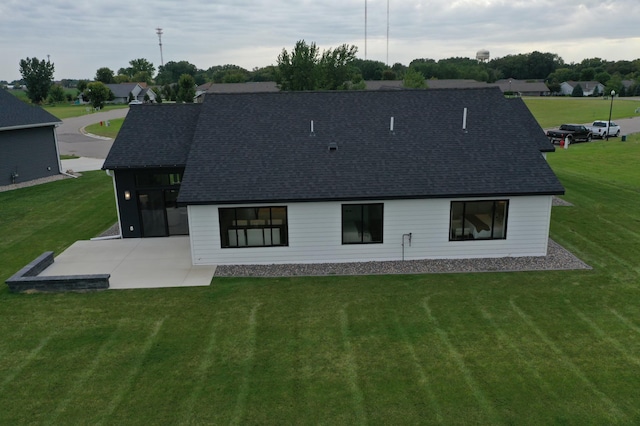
(345, 176)
(589, 88)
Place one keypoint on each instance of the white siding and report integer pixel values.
(315, 234)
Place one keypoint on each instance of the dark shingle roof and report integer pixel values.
(121, 90)
(154, 135)
(15, 113)
(258, 148)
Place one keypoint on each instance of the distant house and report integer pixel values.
(341, 176)
(523, 87)
(123, 91)
(28, 143)
(589, 88)
(248, 87)
(520, 87)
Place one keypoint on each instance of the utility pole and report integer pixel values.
(159, 32)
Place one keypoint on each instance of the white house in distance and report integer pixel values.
(344, 176)
(589, 88)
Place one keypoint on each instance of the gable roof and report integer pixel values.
(154, 136)
(587, 85)
(122, 90)
(16, 114)
(259, 148)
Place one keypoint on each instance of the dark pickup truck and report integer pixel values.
(571, 133)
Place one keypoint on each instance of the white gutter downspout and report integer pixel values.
(115, 192)
(55, 138)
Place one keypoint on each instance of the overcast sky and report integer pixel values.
(83, 35)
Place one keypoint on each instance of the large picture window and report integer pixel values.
(478, 220)
(361, 223)
(253, 226)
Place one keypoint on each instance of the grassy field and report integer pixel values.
(110, 131)
(63, 111)
(554, 111)
(558, 347)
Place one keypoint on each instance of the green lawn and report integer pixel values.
(63, 111)
(559, 347)
(553, 111)
(110, 131)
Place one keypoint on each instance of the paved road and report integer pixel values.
(72, 142)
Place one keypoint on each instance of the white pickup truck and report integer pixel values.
(600, 128)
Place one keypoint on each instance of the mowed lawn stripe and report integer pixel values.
(423, 379)
(188, 412)
(351, 368)
(125, 386)
(602, 335)
(247, 367)
(616, 412)
(85, 374)
(524, 358)
(473, 385)
(24, 362)
(626, 321)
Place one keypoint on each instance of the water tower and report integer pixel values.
(482, 55)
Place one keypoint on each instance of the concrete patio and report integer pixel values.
(134, 262)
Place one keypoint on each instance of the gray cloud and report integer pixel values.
(84, 36)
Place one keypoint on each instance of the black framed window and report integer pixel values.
(362, 223)
(253, 227)
(478, 220)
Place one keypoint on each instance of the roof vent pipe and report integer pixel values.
(464, 120)
(312, 133)
(391, 125)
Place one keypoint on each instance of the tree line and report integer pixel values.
(306, 68)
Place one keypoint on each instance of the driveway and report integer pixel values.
(73, 142)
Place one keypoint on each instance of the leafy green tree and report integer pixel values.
(136, 66)
(121, 78)
(171, 72)
(577, 91)
(587, 74)
(38, 76)
(370, 70)
(603, 77)
(298, 70)
(413, 79)
(267, 73)
(614, 83)
(335, 67)
(56, 94)
(82, 85)
(142, 77)
(104, 75)
(305, 69)
(186, 89)
(98, 93)
(390, 75)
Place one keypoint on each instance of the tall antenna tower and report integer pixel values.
(387, 32)
(365, 30)
(159, 32)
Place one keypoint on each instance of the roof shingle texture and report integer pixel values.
(259, 147)
(16, 113)
(154, 136)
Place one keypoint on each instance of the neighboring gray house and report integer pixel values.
(28, 144)
(121, 92)
(588, 87)
(523, 87)
(248, 87)
(341, 176)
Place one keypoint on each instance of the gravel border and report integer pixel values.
(557, 258)
(35, 182)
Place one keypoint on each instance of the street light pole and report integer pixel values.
(613, 93)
